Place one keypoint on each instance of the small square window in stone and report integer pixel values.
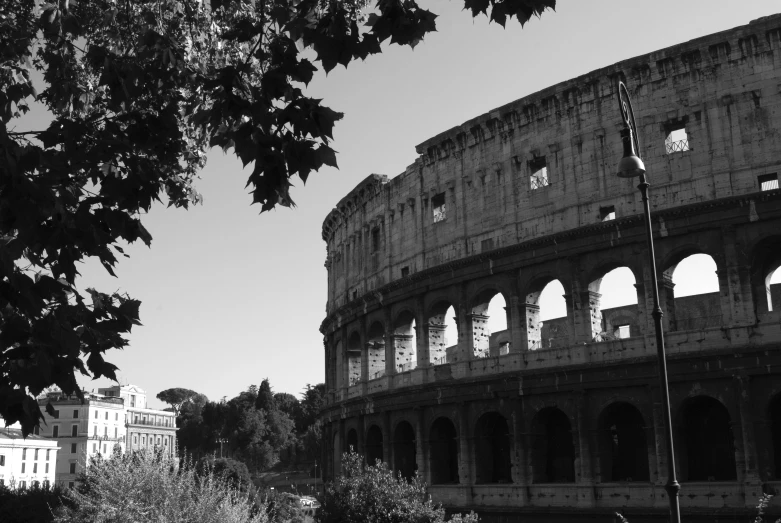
(438, 206)
(607, 213)
(768, 182)
(404, 272)
(677, 140)
(622, 331)
(486, 245)
(539, 173)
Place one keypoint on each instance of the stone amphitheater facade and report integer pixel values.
(524, 425)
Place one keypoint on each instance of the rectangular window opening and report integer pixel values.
(55, 431)
(404, 272)
(376, 239)
(622, 331)
(677, 140)
(73, 448)
(539, 173)
(75, 414)
(74, 431)
(486, 245)
(607, 213)
(72, 468)
(438, 207)
(768, 182)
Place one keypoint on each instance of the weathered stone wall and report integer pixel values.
(722, 88)
(532, 423)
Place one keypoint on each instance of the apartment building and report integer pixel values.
(26, 462)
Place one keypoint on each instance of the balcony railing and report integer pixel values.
(152, 423)
(678, 146)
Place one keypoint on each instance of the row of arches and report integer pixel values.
(625, 445)
(446, 332)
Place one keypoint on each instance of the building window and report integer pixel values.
(135, 439)
(116, 432)
(538, 167)
(55, 431)
(56, 414)
(73, 448)
(376, 239)
(35, 457)
(23, 466)
(47, 468)
(104, 448)
(94, 447)
(768, 182)
(105, 431)
(96, 414)
(23, 484)
(72, 469)
(95, 431)
(438, 207)
(132, 400)
(24, 453)
(35, 468)
(74, 431)
(677, 140)
(47, 454)
(116, 416)
(607, 213)
(76, 414)
(2, 460)
(622, 331)
(70, 484)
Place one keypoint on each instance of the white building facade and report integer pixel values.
(103, 423)
(26, 462)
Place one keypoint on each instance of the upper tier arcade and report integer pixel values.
(544, 164)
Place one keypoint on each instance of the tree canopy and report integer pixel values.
(176, 397)
(137, 93)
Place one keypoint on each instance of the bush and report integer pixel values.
(150, 486)
(373, 493)
(29, 505)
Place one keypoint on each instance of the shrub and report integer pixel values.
(150, 486)
(373, 493)
(29, 505)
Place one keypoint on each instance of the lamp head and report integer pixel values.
(630, 165)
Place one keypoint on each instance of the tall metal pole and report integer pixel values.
(632, 141)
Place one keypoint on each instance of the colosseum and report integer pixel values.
(530, 416)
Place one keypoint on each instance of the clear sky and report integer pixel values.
(231, 297)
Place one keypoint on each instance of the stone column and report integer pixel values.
(478, 335)
(585, 474)
(587, 316)
(434, 334)
(642, 311)
(737, 300)
(421, 335)
(667, 303)
(515, 325)
(464, 324)
(464, 450)
(745, 461)
(659, 438)
(421, 447)
(530, 333)
(390, 353)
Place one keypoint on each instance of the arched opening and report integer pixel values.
(442, 334)
(375, 350)
(623, 444)
(552, 452)
(689, 293)
(351, 441)
(354, 359)
(775, 434)
(546, 317)
(404, 450)
(489, 325)
(443, 441)
(766, 275)
(613, 303)
(373, 445)
(492, 449)
(708, 452)
(405, 342)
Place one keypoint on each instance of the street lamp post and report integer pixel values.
(632, 166)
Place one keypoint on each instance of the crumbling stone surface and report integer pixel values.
(524, 195)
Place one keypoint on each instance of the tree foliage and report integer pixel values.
(176, 397)
(137, 92)
(373, 493)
